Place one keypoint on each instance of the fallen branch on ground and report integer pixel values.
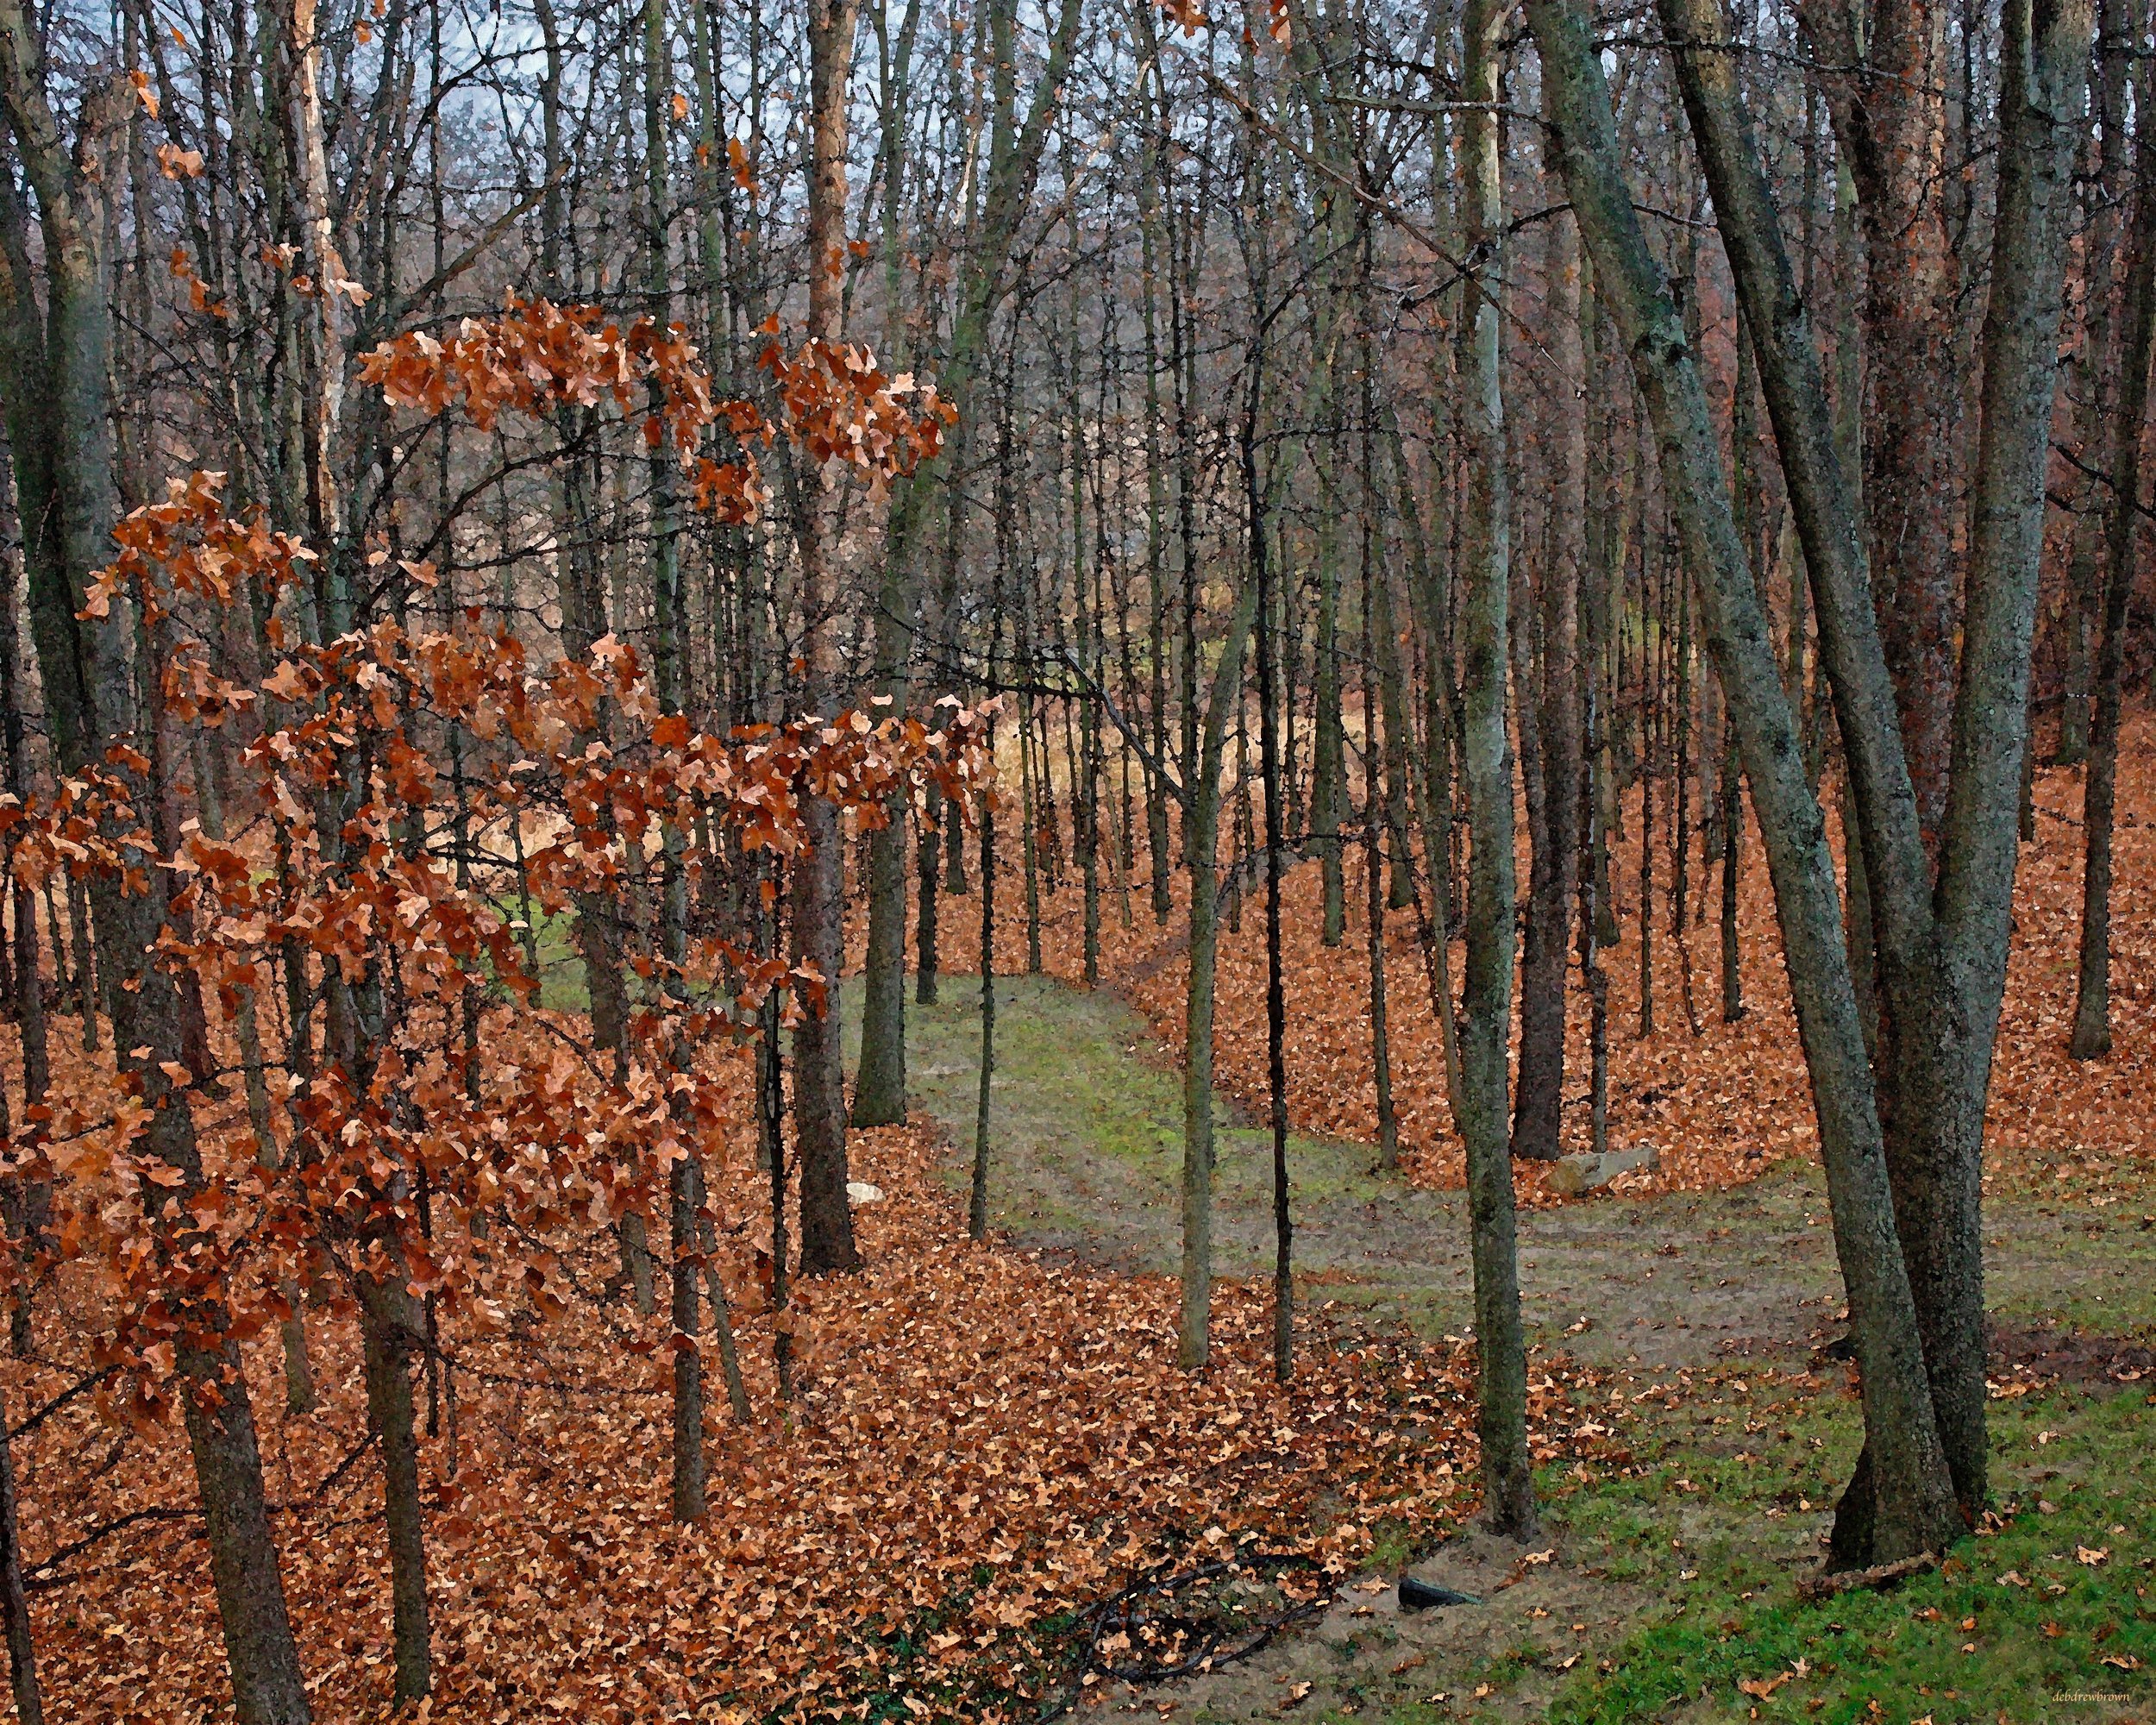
(1817, 1587)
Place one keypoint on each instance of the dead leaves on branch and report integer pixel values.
(537, 357)
(840, 407)
(398, 1139)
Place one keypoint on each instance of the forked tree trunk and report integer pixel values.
(1016, 142)
(1918, 1510)
(1942, 949)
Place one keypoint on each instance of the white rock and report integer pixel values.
(1570, 1176)
(861, 1192)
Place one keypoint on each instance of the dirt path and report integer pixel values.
(1087, 1145)
(1087, 1159)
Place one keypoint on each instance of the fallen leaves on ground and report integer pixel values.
(983, 1442)
(1721, 1103)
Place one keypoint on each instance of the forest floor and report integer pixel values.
(988, 1441)
(1668, 1588)
(1721, 1101)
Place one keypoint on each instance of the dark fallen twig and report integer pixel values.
(38, 1575)
(34, 1575)
(1199, 1644)
(1817, 1587)
(80, 1387)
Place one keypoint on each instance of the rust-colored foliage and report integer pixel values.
(391, 1134)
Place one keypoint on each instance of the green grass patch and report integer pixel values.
(2046, 1616)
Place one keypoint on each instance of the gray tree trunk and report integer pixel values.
(1201, 819)
(1941, 949)
(1508, 1504)
(2092, 995)
(1538, 1107)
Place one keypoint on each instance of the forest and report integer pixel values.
(993, 860)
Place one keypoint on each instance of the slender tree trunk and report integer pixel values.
(1275, 858)
(27, 1202)
(389, 1326)
(1430, 608)
(1537, 1108)
(2092, 1001)
(1731, 821)
(1201, 823)
(14, 1604)
(2098, 369)
(819, 1099)
(977, 1203)
(1508, 1503)
(95, 664)
(1015, 143)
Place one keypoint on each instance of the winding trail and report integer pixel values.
(1087, 1158)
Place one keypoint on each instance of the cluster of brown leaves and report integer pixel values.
(406, 1154)
(537, 357)
(840, 406)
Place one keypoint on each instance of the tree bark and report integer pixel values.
(1201, 818)
(14, 1604)
(819, 883)
(1942, 950)
(2097, 366)
(1014, 149)
(1508, 1505)
(1538, 1108)
(389, 1325)
(144, 1003)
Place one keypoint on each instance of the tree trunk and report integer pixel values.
(97, 663)
(820, 1098)
(1508, 1504)
(977, 1202)
(1915, 1498)
(2097, 367)
(1942, 950)
(14, 1604)
(879, 1079)
(1276, 853)
(389, 1325)
(1015, 145)
(2092, 1001)
(1202, 820)
(1537, 1108)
